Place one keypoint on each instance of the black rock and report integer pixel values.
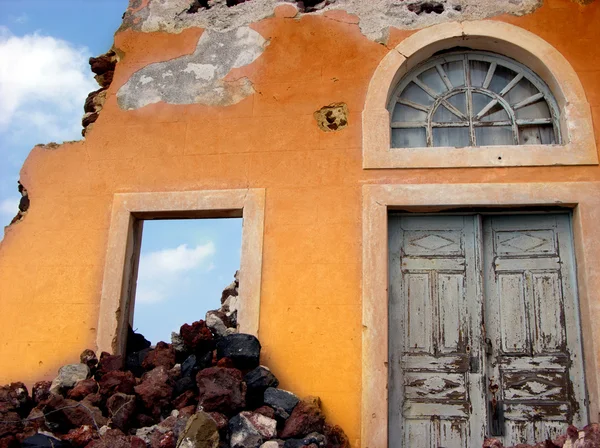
(135, 341)
(280, 400)
(43, 441)
(193, 364)
(258, 381)
(184, 384)
(313, 438)
(242, 349)
(134, 361)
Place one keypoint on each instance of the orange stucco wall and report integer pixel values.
(51, 263)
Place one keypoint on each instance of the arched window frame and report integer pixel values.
(577, 145)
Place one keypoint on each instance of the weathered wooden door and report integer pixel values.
(532, 324)
(484, 335)
(435, 339)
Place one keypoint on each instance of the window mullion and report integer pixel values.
(469, 101)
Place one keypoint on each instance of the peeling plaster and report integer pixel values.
(376, 16)
(199, 77)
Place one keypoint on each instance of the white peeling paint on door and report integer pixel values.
(532, 321)
(434, 360)
(456, 377)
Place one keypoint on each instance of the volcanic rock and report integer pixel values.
(80, 437)
(282, 401)
(200, 432)
(336, 438)
(162, 355)
(40, 391)
(114, 438)
(117, 381)
(82, 389)
(155, 391)
(305, 419)
(221, 390)
(109, 363)
(121, 409)
(68, 376)
(242, 349)
(89, 358)
(197, 337)
(44, 441)
(135, 361)
(257, 382)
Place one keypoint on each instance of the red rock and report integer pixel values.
(267, 411)
(144, 420)
(162, 355)
(9, 442)
(225, 362)
(221, 390)
(187, 412)
(40, 391)
(15, 397)
(167, 440)
(121, 409)
(67, 414)
(189, 397)
(116, 439)
(82, 389)
(80, 437)
(109, 363)
(117, 381)
(219, 419)
(197, 337)
(306, 418)
(88, 357)
(10, 423)
(336, 438)
(155, 391)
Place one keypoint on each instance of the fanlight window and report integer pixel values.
(472, 99)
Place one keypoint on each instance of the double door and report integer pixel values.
(484, 333)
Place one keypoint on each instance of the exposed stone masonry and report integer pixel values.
(206, 389)
(104, 67)
(24, 203)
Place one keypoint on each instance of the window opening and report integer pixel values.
(184, 264)
(472, 98)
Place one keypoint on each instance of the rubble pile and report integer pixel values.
(588, 437)
(206, 389)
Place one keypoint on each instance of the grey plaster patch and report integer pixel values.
(376, 16)
(199, 77)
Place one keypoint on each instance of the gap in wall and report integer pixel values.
(183, 267)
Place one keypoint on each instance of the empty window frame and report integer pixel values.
(472, 98)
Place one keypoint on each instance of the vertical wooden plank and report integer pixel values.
(512, 313)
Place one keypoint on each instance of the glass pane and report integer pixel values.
(453, 137)
(497, 113)
(414, 93)
(406, 113)
(443, 115)
(537, 135)
(433, 80)
(455, 72)
(460, 102)
(523, 90)
(479, 71)
(502, 76)
(535, 110)
(494, 135)
(409, 138)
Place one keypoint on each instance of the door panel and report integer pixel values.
(532, 320)
(444, 356)
(435, 333)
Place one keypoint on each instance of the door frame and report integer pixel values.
(582, 197)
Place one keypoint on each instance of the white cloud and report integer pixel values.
(43, 85)
(9, 207)
(162, 272)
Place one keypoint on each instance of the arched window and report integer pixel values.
(472, 98)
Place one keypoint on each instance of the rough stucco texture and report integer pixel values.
(375, 15)
(310, 321)
(199, 77)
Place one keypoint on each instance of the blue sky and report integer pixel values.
(44, 80)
